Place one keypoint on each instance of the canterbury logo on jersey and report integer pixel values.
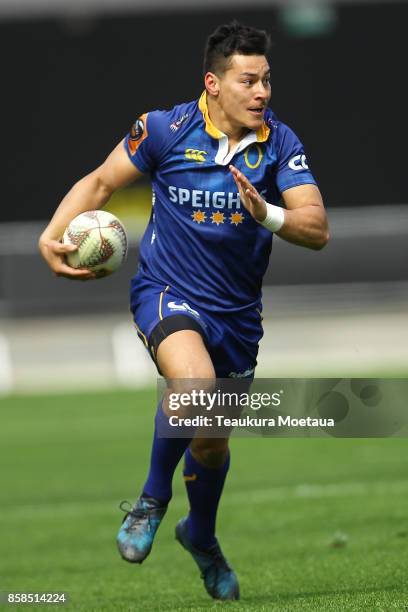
(298, 163)
(196, 155)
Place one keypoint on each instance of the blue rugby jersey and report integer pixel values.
(200, 240)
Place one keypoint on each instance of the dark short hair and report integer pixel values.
(233, 38)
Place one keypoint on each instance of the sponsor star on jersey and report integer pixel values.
(236, 218)
(199, 216)
(217, 218)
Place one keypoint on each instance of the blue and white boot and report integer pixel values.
(219, 578)
(135, 537)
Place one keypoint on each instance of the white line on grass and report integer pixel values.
(62, 509)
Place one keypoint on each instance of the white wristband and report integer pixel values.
(275, 217)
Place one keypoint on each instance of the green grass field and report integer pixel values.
(289, 504)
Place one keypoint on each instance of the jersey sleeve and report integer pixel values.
(293, 168)
(144, 141)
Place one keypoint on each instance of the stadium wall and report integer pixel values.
(73, 86)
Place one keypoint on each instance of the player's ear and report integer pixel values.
(211, 82)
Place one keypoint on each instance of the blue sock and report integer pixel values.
(204, 487)
(165, 456)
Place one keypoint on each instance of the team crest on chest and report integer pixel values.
(253, 156)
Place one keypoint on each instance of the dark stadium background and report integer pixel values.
(72, 86)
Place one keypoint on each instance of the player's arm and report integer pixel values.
(304, 220)
(90, 193)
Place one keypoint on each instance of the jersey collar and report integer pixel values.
(261, 135)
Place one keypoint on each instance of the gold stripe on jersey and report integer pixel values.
(139, 331)
(161, 302)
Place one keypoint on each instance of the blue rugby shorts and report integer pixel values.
(232, 339)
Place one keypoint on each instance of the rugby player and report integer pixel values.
(226, 174)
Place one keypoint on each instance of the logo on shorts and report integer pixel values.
(183, 306)
(242, 374)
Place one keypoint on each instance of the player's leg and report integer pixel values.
(233, 352)
(180, 355)
(205, 470)
(209, 458)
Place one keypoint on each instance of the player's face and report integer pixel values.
(245, 90)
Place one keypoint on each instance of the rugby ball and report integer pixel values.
(101, 240)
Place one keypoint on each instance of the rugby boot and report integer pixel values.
(136, 535)
(219, 578)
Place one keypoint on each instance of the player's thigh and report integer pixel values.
(183, 355)
(184, 361)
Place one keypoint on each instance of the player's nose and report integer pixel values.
(262, 92)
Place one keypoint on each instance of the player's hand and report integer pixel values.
(253, 202)
(54, 254)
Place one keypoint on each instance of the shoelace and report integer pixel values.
(137, 513)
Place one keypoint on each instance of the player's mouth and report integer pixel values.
(257, 111)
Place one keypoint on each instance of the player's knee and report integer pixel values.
(188, 395)
(201, 380)
(203, 372)
(211, 452)
(189, 374)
